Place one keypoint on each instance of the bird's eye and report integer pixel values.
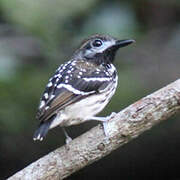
(97, 43)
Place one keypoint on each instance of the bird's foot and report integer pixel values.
(104, 121)
(68, 139)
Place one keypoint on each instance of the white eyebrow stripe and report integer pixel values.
(97, 79)
(72, 89)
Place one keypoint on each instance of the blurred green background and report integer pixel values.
(36, 36)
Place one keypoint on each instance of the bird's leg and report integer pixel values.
(68, 138)
(104, 121)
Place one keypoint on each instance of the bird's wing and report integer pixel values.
(70, 85)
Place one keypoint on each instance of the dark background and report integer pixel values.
(36, 36)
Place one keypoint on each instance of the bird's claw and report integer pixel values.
(68, 140)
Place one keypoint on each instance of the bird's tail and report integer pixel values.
(42, 130)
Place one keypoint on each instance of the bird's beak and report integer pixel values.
(122, 43)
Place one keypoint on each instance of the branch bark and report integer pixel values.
(93, 145)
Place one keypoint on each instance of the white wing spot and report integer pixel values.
(73, 63)
(46, 95)
(59, 75)
(84, 70)
(49, 84)
(52, 96)
(41, 104)
(47, 107)
(60, 67)
(107, 73)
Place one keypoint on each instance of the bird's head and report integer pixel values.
(100, 48)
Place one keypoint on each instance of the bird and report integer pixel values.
(81, 87)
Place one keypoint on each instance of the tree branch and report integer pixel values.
(93, 145)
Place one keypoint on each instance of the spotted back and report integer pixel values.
(72, 81)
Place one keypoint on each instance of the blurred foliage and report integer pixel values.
(37, 36)
(44, 18)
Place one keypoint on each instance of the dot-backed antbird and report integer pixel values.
(81, 87)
